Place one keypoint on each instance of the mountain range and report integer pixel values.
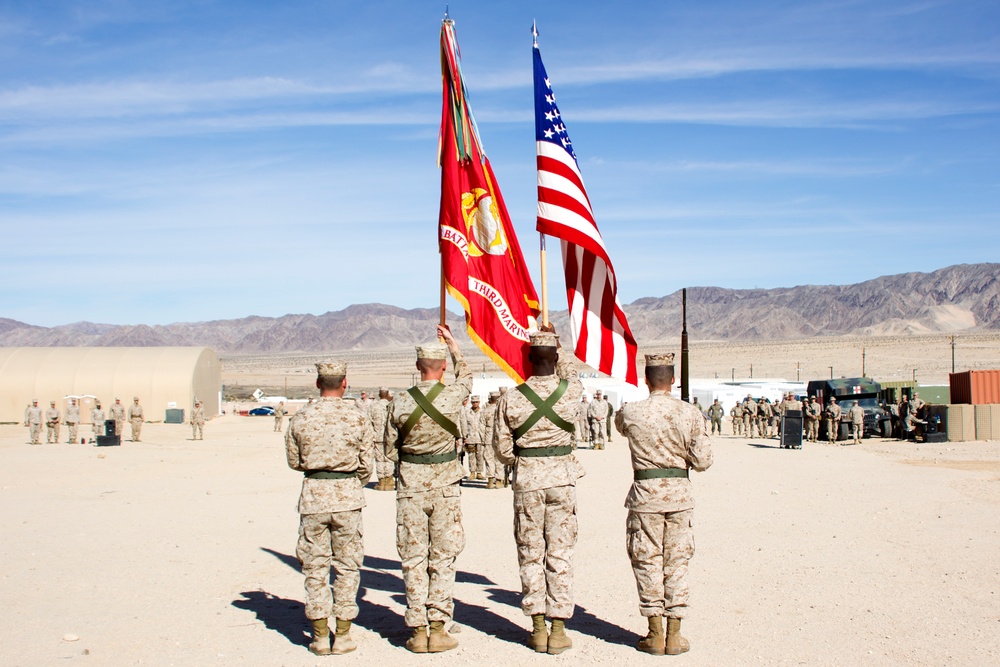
(958, 298)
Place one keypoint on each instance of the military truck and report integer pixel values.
(863, 390)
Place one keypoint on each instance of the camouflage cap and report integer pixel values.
(432, 351)
(135, 398)
(543, 339)
(666, 359)
(331, 368)
(598, 393)
(494, 394)
(383, 390)
(475, 399)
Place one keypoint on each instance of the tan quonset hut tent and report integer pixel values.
(162, 378)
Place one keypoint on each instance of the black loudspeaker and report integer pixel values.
(108, 441)
(109, 427)
(936, 437)
(791, 430)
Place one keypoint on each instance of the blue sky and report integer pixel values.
(185, 161)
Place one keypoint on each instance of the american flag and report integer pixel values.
(601, 335)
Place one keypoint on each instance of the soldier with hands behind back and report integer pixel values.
(666, 438)
(330, 442)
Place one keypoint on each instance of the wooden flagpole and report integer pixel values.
(545, 281)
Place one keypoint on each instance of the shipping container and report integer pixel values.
(975, 387)
(961, 423)
(988, 422)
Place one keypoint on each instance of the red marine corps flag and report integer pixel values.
(481, 262)
(601, 335)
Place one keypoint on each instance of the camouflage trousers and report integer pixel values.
(477, 459)
(277, 422)
(747, 426)
(582, 431)
(429, 536)
(136, 429)
(35, 431)
(832, 427)
(660, 546)
(197, 431)
(737, 425)
(120, 428)
(545, 529)
(383, 466)
(74, 431)
(597, 432)
(858, 432)
(52, 434)
(325, 539)
(716, 425)
(812, 430)
(489, 461)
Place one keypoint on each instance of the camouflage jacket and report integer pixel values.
(427, 437)
(51, 416)
(598, 409)
(471, 425)
(198, 416)
(135, 412)
(513, 409)
(117, 412)
(73, 414)
(663, 432)
(378, 410)
(330, 435)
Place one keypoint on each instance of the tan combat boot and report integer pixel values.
(539, 638)
(390, 483)
(492, 483)
(439, 640)
(417, 643)
(558, 639)
(654, 642)
(675, 643)
(342, 642)
(320, 644)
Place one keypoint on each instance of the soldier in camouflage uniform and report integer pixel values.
(538, 440)
(331, 443)
(117, 413)
(135, 419)
(488, 454)
(472, 431)
(52, 420)
(583, 422)
(279, 414)
(198, 422)
(667, 439)
(832, 415)
(97, 419)
(715, 415)
(598, 413)
(857, 416)
(764, 413)
(421, 434)
(73, 421)
(33, 420)
(812, 414)
(737, 414)
(385, 470)
(749, 416)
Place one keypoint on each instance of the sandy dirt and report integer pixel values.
(175, 552)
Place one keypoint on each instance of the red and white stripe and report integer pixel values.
(600, 332)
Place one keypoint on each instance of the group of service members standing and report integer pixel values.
(532, 430)
(53, 420)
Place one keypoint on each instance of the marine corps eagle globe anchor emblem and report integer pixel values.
(482, 220)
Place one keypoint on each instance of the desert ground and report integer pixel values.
(177, 552)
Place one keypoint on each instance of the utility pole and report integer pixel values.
(863, 362)
(952, 354)
(914, 376)
(798, 369)
(685, 393)
(831, 372)
(751, 371)
(734, 375)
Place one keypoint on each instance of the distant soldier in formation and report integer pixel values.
(610, 420)
(279, 415)
(489, 458)
(420, 433)
(749, 416)
(378, 410)
(471, 423)
(832, 415)
(715, 415)
(117, 413)
(73, 421)
(331, 443)
(737, 414)
(583, 422)
(764, 413)
(33, 420)
(198, 422)
(857, 416)
(667, 439)
(97, 419)
(812, 413)
(598, 413)
(52, 421)
(916, 403)
(535, 433)
(135, 419)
